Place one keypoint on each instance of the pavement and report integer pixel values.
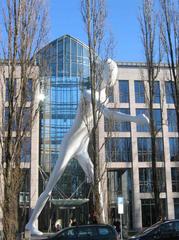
(44, 236)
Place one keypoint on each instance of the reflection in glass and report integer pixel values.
(145, 149)
(139, 91)
(118, 149)
(169, 91)
(123, 91)
(174, 149)
(172, 120)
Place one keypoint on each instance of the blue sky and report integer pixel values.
(65, 18)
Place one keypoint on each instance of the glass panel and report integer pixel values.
(148, 211)
(118, 149)
(139, 91)
(169, 91)
(124, 91)
(176, 206)
(29, 90)
(26, 150)
(174, 149)
(145, 151)
(172, 120)
(103, 231)
(10, 91)
(157, 119)
(85, 232)
(146, 181)
(175, 179)
(156, 92)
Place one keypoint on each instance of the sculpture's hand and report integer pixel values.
(142, 119)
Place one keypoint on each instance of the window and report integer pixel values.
(167, 230)
(145, 151)
(119, 181)
(9, 116)
(118, 149)
(148, 211)
(29, 90)
(172, 120)
(145, 179)
(10, 89)
(169, 91)
(26, 150)
(86, 232)
(146, 182)
(156, 98)
(24, 198)
(115, 126)
(139, 91)
(110, 94)
(26, 123)
(124, 91)
(157, 119)
(176, 207)
(175, 179)
(104, 231)
(174, 149)
(142, 128)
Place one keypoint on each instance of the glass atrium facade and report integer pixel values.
(66, 73)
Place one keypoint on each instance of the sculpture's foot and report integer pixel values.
(33, 230)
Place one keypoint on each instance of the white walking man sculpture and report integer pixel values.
(75, 142)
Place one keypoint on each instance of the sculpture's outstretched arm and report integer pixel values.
(122, 117)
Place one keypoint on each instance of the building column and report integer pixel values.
(167, 165)
(34, 169)
(136, 202)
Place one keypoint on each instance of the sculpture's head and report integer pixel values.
(109, 73)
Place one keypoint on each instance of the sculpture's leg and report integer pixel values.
(86, 164)
(54, 177)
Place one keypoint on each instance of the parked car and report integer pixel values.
(87, 232)
(163, 230)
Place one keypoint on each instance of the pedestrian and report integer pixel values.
(116, 224)
(70, 222)
(58, 225)
(74, 222)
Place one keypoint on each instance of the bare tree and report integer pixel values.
(152, 53)
(94, 16)
(170, 40)
(23, 33)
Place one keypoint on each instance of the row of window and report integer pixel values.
(120, 150)
(146, 183)
(140, 96)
